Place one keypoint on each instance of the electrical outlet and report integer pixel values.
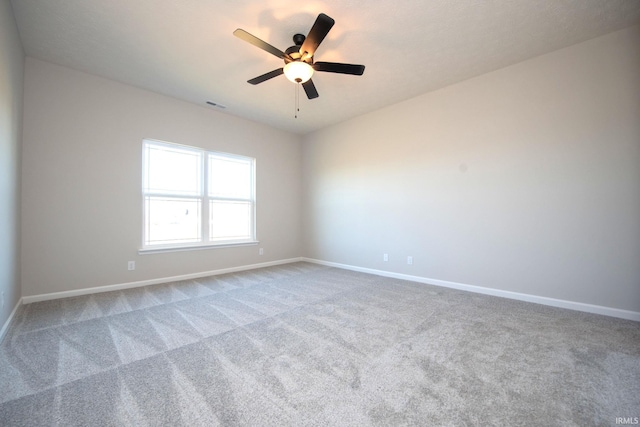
(409, 260)
(261, 251)
(385, 257)
(131, 265)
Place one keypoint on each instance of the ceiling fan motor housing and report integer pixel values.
(294, 51)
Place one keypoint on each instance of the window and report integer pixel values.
(195, 198)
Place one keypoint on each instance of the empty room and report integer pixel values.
(279, 213)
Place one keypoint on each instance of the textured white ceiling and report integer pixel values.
(186, 49)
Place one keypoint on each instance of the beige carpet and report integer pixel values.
(302, 344)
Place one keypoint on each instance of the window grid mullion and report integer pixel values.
(171, 196)
(230, 199)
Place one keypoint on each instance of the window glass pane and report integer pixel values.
(229, 177)
(177, 182)
(230, 220)
(172, 170)
(172, 220)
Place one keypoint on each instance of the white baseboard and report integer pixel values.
(5, 327)
(571, 305)
(108, 288)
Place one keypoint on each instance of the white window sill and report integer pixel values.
(146, 251)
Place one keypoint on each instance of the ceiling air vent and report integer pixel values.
(215, 104)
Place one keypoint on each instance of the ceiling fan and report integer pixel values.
(299, 64)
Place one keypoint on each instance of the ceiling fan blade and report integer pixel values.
(250, 38)
(266, 76)
(310, 89)
(336, 67)
(318, 32)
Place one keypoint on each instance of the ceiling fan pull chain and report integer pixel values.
(297, 106)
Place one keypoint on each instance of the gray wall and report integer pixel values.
(11, 86)
(526, 179)
(82, 206)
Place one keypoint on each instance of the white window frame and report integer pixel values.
(204, 200)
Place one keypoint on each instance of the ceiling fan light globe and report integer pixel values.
(298, 72)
